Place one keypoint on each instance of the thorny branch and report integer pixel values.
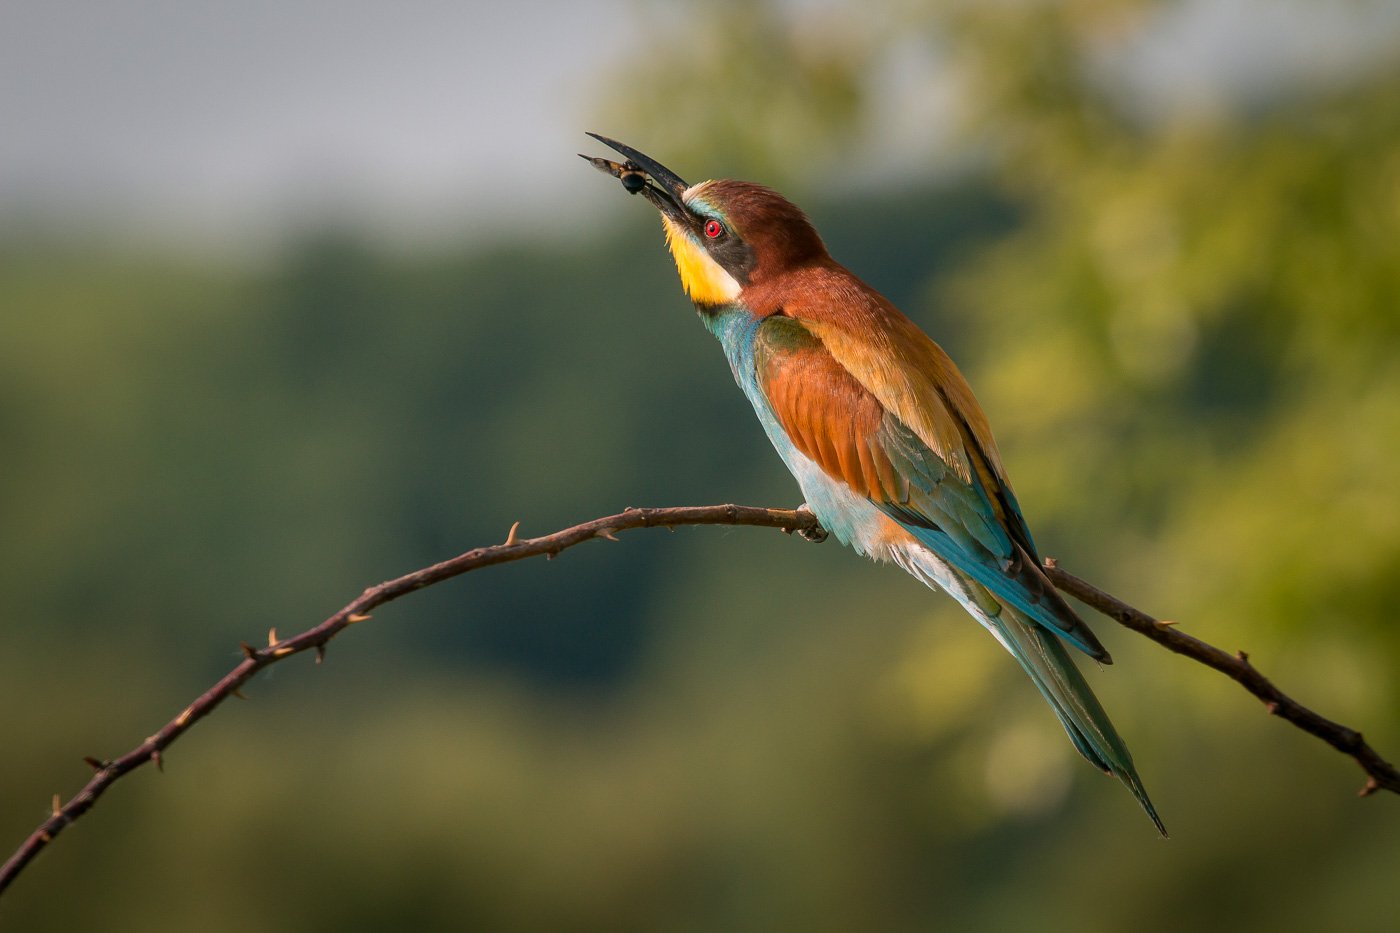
(1381, 775)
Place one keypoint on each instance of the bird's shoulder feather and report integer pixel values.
(878, 406)
(904, 372)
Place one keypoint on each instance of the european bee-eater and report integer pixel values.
(883, 434)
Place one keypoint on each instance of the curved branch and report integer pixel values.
(1382, 775)
(316, 638)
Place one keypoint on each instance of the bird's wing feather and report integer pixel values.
(936, 477)
(917, 382)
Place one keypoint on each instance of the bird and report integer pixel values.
(892, 451)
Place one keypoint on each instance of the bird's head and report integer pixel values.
(725, 235)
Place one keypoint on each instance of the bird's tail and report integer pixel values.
(1044, 657)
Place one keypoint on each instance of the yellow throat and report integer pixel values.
(703, 279)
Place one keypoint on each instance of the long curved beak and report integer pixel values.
(661, 186)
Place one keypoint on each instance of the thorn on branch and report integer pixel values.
(606, 533)
(57, 805)
(355, 617)
(94, 763)
(272, 636)
(249, 651)
(320, 652)
(510, 537)
(238, 692)
(159, 761)
(1372, 785)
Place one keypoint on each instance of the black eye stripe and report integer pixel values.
(734, 256)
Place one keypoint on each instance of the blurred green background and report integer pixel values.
(299, 298)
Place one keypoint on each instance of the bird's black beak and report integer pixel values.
(641, 174)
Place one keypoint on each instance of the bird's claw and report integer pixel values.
(816, 533)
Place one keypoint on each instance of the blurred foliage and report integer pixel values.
(1184, 328)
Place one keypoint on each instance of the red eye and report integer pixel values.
(713, 228)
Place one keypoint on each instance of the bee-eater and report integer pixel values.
(881, 431)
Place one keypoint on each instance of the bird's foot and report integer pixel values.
(816, 534)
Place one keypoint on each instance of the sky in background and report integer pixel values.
(219, 123)
(187, 117)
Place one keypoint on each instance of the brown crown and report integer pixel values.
(778, 232)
